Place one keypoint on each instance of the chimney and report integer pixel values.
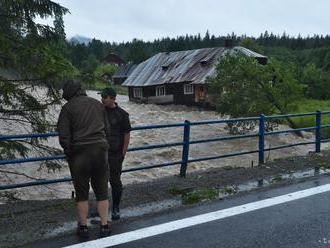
(229, 43)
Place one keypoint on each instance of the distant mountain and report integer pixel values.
(80, 39)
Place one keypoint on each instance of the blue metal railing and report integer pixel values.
(186, 142)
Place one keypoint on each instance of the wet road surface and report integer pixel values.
(284, 222)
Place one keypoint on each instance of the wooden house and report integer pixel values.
(179, 77)
(113, 58)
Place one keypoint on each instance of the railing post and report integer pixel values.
(318, 131)
(185, 148)
(261, 139)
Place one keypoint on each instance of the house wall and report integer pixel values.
(118, 80)
(149, 91)
(178, 93)
(146, 92)
(161, 99)
(174, 94)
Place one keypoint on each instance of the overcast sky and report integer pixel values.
(123, 20)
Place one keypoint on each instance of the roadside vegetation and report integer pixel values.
(277, 179)
(194, 195)
(199, 195)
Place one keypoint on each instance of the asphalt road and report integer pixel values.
(304, 222)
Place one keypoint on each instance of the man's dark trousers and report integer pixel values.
(115, 166)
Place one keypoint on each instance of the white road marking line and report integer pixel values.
(199, 219)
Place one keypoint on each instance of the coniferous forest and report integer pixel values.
(308, 56)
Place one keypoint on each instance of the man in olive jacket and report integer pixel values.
(118, 136)
(82, 136)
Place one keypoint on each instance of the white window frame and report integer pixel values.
(137, 92)
(188, 89)
(160, 90)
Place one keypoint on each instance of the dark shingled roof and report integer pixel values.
(193, 66)
(124, 71)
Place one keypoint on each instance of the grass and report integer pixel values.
(199, 195)
(191, 196)
(228, 190)
(324, 165)
(174, 190)
(277, 179)
(307, 106)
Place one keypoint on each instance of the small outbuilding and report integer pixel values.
(113, 58)
(122, 73)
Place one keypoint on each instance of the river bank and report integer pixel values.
(23, 222)
(147, 114)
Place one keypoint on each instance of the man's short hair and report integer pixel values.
(70, 88)
(108, 92)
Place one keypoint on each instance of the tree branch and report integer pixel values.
(19, 174)
(22, 80)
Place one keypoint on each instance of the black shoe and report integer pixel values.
(105, 230)
(82, 232)
(116, 197)
(115, 215)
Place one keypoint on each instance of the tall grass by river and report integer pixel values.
(308, 105)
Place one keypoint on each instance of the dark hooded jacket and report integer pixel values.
(81, 121)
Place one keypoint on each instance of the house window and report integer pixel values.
(160, 91)
(188, 89)
(137, 92)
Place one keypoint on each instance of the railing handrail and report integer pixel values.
(177, 124)
(186, 142)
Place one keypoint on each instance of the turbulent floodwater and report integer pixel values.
(142, 114)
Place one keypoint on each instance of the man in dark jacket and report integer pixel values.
(82, 136)
(118, 135)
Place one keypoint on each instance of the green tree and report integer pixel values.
(87, 69)
(31, 55)
(97, 48)
(101, 77)
(251, 44)
(137, 51)
(102, 69)
(243, 87)
(78, 53)
(317, 82)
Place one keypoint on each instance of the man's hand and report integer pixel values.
(124, 152)
(126, 142)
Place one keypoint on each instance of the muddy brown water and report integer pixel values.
(146, 114)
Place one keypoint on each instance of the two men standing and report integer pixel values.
(95, 140)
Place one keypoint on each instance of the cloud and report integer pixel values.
(116, 20)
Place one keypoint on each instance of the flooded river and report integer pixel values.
(143, 114)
